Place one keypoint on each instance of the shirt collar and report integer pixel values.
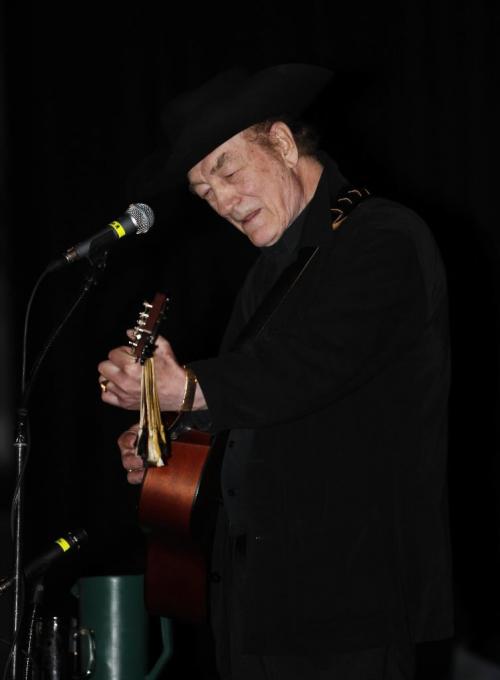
(290, 239)
(308, 227)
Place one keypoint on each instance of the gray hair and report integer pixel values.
(305, 137)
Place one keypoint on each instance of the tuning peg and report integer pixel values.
(139, 331)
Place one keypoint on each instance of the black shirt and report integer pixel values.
(261, 278)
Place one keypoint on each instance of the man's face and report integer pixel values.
(258, 191)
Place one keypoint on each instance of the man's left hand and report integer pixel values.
(120, 378)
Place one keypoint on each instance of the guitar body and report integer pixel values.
(179, 500)
(175, 581)
(179, 503)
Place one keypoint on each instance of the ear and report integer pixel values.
(283, 141)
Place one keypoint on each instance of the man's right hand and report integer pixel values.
(132, 463)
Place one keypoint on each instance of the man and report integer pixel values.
(332, 545)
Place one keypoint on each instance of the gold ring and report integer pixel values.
(104, 385)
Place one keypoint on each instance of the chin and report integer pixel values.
(263, 238)
(261, 242)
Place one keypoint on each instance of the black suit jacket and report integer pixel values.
(346, 391)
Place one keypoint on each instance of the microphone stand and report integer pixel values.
(38, 591)
(21, 444)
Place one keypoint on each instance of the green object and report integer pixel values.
(114, 630)
(166, 636)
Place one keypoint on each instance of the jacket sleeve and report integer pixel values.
(366, 311)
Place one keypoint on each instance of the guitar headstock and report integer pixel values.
(147, 327)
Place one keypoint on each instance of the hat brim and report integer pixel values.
(214, 117)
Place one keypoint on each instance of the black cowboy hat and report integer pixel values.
(198, 121)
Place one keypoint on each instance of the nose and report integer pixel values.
(226, 200)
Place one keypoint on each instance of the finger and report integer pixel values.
(135, 477)
(123, 391)
(109, 397)
(132, 462)
(108, 386)
(128, 439)
(103, 383)
(121, 356)
(108, 369)
(128, 444)
(119, 360)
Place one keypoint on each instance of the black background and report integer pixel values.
(411, 114)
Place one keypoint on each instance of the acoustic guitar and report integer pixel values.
(178, 502)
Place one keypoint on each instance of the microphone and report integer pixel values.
(138, 219)
(69, 543)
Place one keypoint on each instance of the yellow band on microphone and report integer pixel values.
(120, 231)
(63, 543)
